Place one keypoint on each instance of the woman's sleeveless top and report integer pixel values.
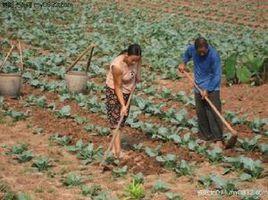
(129, 74)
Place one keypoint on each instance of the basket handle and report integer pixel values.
(90, 57)
(21, 60)
(80, 56)
(8, 54)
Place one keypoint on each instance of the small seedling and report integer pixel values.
(42, 163)
(23, 196)
(134, 191)
(64, 112)
(183, 168)
(173, 196)
(18, 149)
(138, 147)
(61, 140)
(72, 179)
(77, 147)
(249, 144)
(80, 120)
(160, 186)
(24, 156)
(88, 154)
(119, 172)
(153, 152)
(169, 160)
(92, 191)
(138, 178)
(215, 155)
(15, 115)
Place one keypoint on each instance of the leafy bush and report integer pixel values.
(249, 144)
(23, 196)
(138, 178)
(88, 154)
(18, 149)
(183, 168)
(102, 131)
(119, 172)
(215, 155)
(77, 147)
(25, 156)
(248, 69)
(21, 153)
(15, 115)
(38, 101)
(61, 140)
(257, 124)
(231, 116)
(92, 191)
(227, 186)
(80, 120)
(134, 191)
(42, 163)
(173, 196)
(160, 186)
(247, 165)
(255, 196)
(153, 152)
(166, 93)
(72, 179)
(64, 112)
(182, 97)
(263, 148)
(168, 160)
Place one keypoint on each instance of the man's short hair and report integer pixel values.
(200, 41)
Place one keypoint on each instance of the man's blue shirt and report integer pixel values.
(207, 69)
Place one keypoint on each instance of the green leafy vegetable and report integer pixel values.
(168, 160)
(215, 155)
(160, 186)
(153, 152)
(88, 154)
(72, 179)
(138, 178)
(77, 147)
(64, 112)
(249, 144)
(15, 115)
(134, 191)
(92, 191)
(183, 168)
(18, 149)
(61, 140)
(173, 196)
(24, 156)
(119, 172)
(42, 163)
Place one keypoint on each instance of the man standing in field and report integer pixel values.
(207, 74)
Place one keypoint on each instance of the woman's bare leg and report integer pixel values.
(116, 148)
(118, 144)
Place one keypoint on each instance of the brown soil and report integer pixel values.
(137, 162)
(218, 12)
(243, 99)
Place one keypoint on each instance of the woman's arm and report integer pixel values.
(138, 76)
(117, 76)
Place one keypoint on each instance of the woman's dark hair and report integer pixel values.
(133, 49)
(200, 42)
